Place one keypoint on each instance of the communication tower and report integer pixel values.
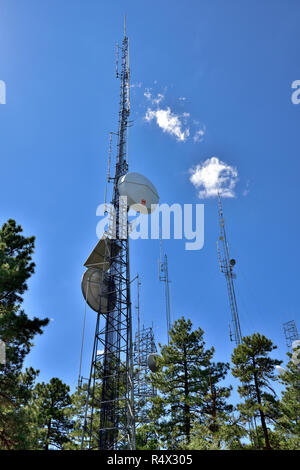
(109, 411)
(163, 275)
(226, 266)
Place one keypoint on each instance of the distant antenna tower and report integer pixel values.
(143, 346)
(109, 411)
(290, 332)
(143, 391)
(164, 277)
(226, 267)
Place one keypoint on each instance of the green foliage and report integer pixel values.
(188, 391)
(227, 435)
(255, 369)
(16, 264)
(50, 403)
(76, 413)
(288, 424)
(18, 331)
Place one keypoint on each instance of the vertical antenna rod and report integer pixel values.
(226, 267)
(164, 277)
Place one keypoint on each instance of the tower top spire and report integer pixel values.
(124, 26)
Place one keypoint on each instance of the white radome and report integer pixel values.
(138, 190)
(92, 288)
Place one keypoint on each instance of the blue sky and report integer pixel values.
(234, 63)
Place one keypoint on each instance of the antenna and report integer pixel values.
(108, 171)
(226, 266)
(163, 275)
(111, 416)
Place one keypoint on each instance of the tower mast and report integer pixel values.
(226, 267)
(109, 412)
(164, 277)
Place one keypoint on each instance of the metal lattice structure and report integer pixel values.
(109, 421)
(163, 275)
(226, 267)
(290, 332)
(143, 390)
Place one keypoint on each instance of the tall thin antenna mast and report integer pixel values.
(164, 277)
(226, 267)
(110, 416)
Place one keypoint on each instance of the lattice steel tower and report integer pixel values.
(109, 421)
(290, 332)
(143, 346)
(226, 267)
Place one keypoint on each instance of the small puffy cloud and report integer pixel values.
(169, 122)
(212, 177)
(199, 134)
(100, 352)
(182, 98)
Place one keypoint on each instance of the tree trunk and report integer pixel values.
(262, 415)
(187, 410)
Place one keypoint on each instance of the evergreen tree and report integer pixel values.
(16, 264)
(18, 331)
(51, 402)
(255, 369)
(76, 413)
(217, 427)
(187, 387)
(288, 424)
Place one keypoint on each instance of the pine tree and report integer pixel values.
(51, 402)
(187, 387)
(217, 427)
(255, 369)
(17, 331)
(16, 264)
(288, 424)
(76, 413)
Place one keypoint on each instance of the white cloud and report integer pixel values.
(169, 122)
(147, 94)
(100, 352)
(158, 99)
(212, 177)
(199, 134)
(182, 98)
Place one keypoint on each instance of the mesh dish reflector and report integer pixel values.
(102, 249)
(96, 285)
(152, 362)
(138, 190)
